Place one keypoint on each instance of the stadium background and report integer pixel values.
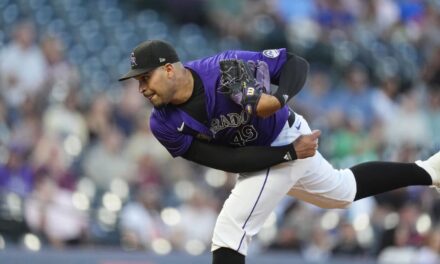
(83, 181)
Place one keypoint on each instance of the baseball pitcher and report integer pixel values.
(220, 112)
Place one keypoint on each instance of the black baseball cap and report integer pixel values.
(148, 56)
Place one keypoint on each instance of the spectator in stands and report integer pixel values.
(63, 120)
(355, 95)
(99, 117)
(50, 159)
(287, 239)
(385, 105)
(105, 161)
(318, 246)
(347, 244)
(197, 209)
(140, 219)
(57, 65)
(334, 14)
(400, 252)
(414, 131)
(22, 66)
(16, 175)
(127, 109)
(316, 100)
(142, 137)
(51, 213)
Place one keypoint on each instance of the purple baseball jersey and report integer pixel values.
(229, 124)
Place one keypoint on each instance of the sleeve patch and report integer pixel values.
(271, 53)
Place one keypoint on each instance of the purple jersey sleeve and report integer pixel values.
(166, 131)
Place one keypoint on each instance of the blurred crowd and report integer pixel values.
(80, 167)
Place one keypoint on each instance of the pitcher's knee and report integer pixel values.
(229, 233)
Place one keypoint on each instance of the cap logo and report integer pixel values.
(133, 60)
(162, 59)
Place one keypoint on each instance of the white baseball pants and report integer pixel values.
(256, 194)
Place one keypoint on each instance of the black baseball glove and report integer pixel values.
(244, 82)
